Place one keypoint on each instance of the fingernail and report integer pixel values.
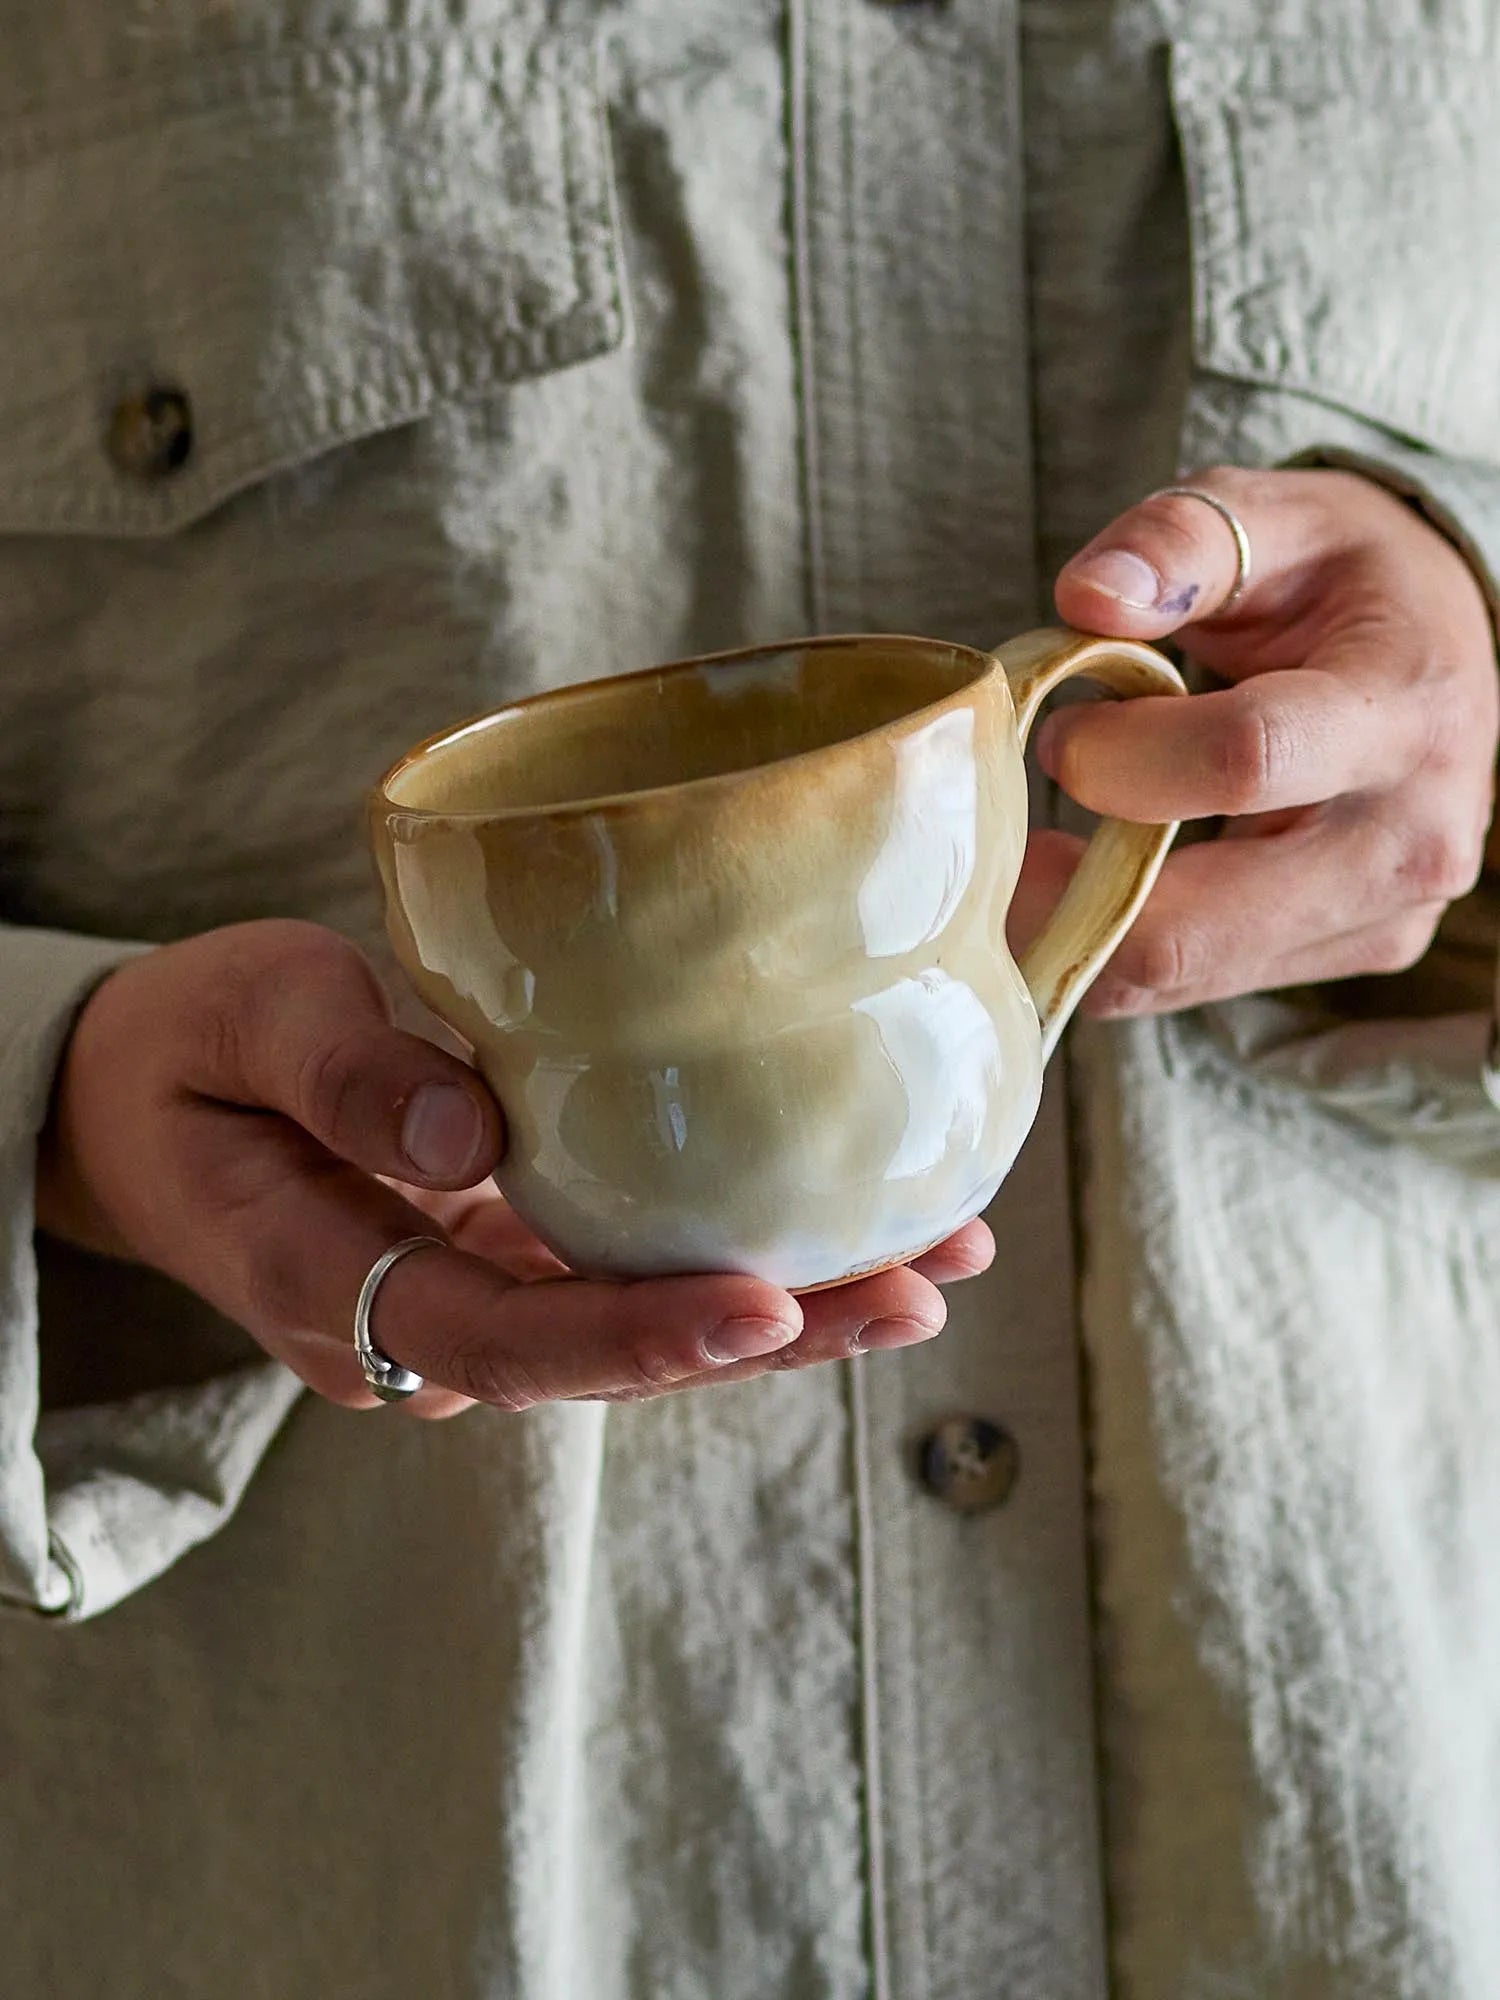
(1117, 573)
(744, 1339)
(442, 1131)
(1048, 743)
(878, 1333)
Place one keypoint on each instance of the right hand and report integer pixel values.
(238, 1111)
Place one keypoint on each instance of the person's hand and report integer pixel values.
(238, 1112)
(1352, 753)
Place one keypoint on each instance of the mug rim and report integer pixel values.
(986, 663)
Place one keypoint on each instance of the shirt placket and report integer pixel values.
(910, 262)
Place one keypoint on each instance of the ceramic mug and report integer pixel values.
(727, 938)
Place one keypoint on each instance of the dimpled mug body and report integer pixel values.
(728, 941)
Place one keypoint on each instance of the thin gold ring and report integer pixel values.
(1232, 522)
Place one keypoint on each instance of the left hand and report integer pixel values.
(835, 1323)
(237, 1111)
(1352, 753)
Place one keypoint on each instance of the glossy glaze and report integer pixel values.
(728, 941)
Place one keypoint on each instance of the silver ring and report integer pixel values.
(1232, 522)
(390, 1381)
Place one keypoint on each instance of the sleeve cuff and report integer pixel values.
(1461, 499)
(94, 1502)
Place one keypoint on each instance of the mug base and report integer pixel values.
(869, 1270)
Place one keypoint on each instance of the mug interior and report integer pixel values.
(679, 724)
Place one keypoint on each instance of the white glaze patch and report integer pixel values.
(941, 1042)
(671, 1112)
(440, 903)
(607, 899)
(927, 861)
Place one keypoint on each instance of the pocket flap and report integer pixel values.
(218, 272)
(1345, 201)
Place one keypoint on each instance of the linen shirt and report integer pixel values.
(520, 341)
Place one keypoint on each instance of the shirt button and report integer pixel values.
(969, 1464)
(151, 434)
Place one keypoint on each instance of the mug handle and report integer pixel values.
(1123, 859)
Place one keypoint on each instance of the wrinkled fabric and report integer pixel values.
(1296, 1609)
(528, 340)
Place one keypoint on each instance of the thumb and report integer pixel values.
(300, 1025)
(1175, 559)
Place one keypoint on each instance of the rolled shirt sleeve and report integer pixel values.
(1461, 498)
(95, 1501)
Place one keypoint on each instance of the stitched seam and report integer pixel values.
(1085, 1410)
(1209, 171)
(398, 393)
(1205, 110)
(920, 1761)
(872, 1744)
(401, 388)
(856, 320)
(803, 314)
(617, 292)
(870, 1724)
(568, 141)
(1417, 423)
(1213, 168)
(1336, 36)
(345, 69)
(1252, 59)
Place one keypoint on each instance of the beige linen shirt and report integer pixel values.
(526, 340)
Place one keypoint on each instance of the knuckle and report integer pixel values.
(1446, 738)
(1441, 864)
(279, 953)
(1167, 958)
(326, 1088)
(221, 1033)
(257, 967)
(292, 952)
(1398, 946)
(1250, 754)
(650, 1373)
(1181, 531)
(498, 1380)
(289, 944)
(224, 1027)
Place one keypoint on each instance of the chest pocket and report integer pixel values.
(217, 271)
(1345, 212)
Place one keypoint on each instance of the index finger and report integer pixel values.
(1296, 737)
(577, 1337)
